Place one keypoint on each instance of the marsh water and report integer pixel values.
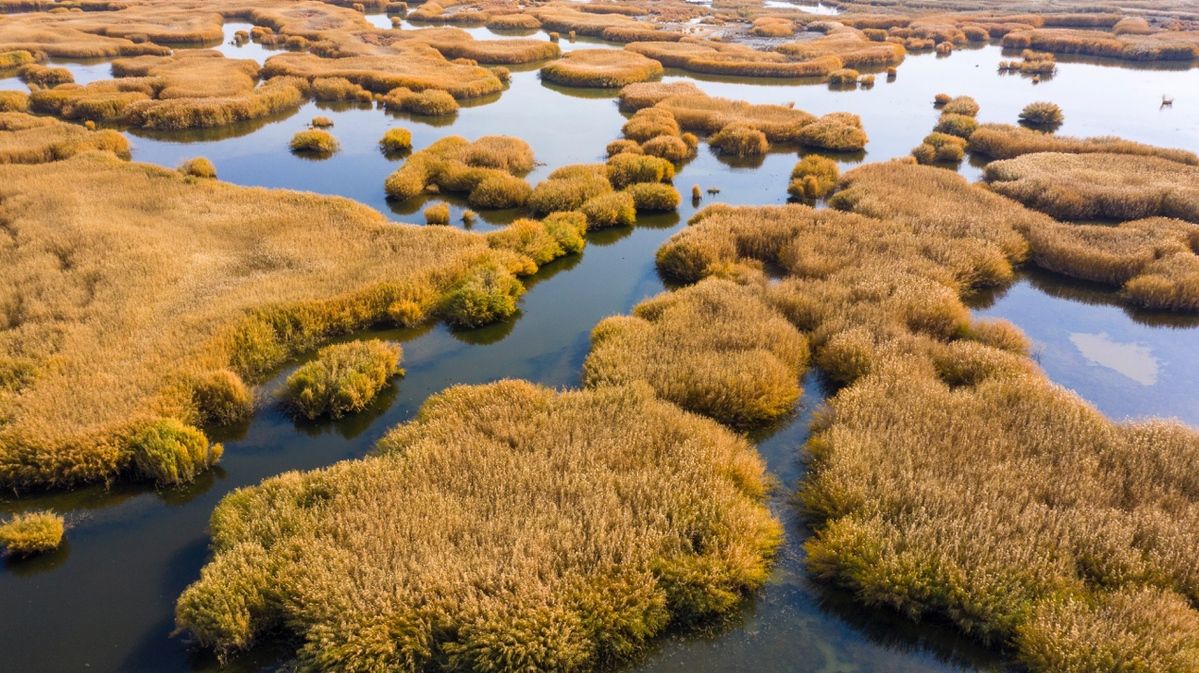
(104, 602)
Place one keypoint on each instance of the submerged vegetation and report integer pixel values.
(658, 518)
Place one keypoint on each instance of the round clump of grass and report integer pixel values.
(615, 209)
(485, 295)
(813, 177)
(1042, 115)
(500, 190)
(959, 125)
(198, 167)
(396, 141)
(606, 68)
(843, 77)
(321, 122)
(627, 169)
(962, 105)
(438, 213)
(314, 142)
(740, 140)
(171, 453)
(32, 533)
(343, 379)
(654, 197)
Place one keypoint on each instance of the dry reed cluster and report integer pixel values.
(31, 533)
(488, 170)
(606, 68)
(184, 291)
(906, 517)
(26, 139)
(1002, 141)
(813, 177)
(438, 552)
(416, 67)
(343, 378)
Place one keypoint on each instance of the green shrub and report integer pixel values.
(614, 209)
(813, 177)
(396, 140)
(654, 197)
(1042, 115)
(627, 169)
(314, 141)
(343, 379)
(438, 213)
(740, 140)
(485, 295)
(171, 453)
(198, 167)
(32, 533)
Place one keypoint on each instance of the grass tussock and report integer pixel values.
(342, 379)
(487, 170)
(314, 141)
(212, 286)
(430, 103)
(14, 101)
(438, 213)
(338, 89)
(772, 26)
(1158, 46)
(1099, 186)
(1003, 141)
(682, 344)
(940, 148)
(813, 177)
(1042, 116)
(40, 75)
(568, 188)
(647, 94)
(396, 141)
(32, 533)
(740, 140)
(851, 48)
(611, 209)
(198, 167)
(670, 527)
(836, 131)
(623, 170)
(607, 68)
(26, 139)
(654, 197)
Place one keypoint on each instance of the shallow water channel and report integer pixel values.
(105, 601)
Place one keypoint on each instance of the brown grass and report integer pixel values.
(740, 140)
(178, 289)
(1099, 186)
(417, 68)
(1001, 141)
(1160, 46)
(488, 170)
(658, 518)
(853, 48)
(647, 94)
(608, 68)
(25, 139)
(679, 343)
(813, 177)
(717, 58)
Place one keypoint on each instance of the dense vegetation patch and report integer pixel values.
(657, 517)
(488, 170)
(31, 533)
(601, 68)
(343, 378)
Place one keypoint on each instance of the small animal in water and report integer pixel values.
(1167, 101)
(713, 190)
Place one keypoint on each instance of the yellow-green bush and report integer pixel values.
(313, 141)
(654, 197)
(221, 397)
(956, 125)
(558, 235)
(32, 533)
(342, 379)
(171, 453)
(715, 348)
(658, 517)
(627, 169)
(813, 177)
(613, 209)
(198, 167)
(672, 148)
(836, 131)
(940, 148)
(485, 295)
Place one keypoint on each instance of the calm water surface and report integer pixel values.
(105, 601)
